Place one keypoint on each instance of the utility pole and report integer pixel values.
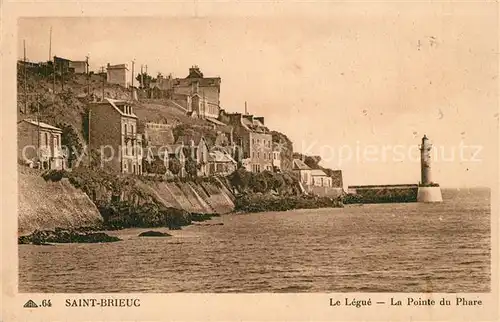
(102, 71)
(246, 111)
(132, 89)
(62, 76)
(133, 63)
(88, 139)
(54, 75)
(142, 77)
(88, 76)
(50, 44)
(25, 80)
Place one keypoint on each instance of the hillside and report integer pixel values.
(66, 104)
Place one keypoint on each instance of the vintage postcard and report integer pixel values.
(278, 161)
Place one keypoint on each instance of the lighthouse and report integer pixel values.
(428, 191)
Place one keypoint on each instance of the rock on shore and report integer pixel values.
(41, 237)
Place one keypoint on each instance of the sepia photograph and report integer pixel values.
(338, 153)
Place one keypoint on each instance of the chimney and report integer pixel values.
(246, 111)
(109, 65)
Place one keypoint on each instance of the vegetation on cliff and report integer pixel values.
(268, 202)
(286, 153)
(284, 183)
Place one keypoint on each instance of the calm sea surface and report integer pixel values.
(412, 247)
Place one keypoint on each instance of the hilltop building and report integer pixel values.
(64, 65)
(79, 67)
(118, 74)
(39, 142)
(61, 65)
(199, 94)
(253, 139)
(113, 130)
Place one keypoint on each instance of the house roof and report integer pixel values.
(219, 156)
(318, 173)
(300, 165)
(215, 121)
(115, 103)
(42, 125)
(119, 66)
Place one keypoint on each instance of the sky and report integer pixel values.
(358, 88)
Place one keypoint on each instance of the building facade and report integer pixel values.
(79, 67)
(253, 141)
(118, 74)
(204, 93)
(39, 144)
(221, 163)
(113, 132)
(311, 177)
(195, 148)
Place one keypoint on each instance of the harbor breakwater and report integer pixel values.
(381, 194)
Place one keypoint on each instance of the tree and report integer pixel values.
(174, 166)
(156, 166)
(240, 179)
(147, 79)
(258, 183)
(70, 142)
(191, 168)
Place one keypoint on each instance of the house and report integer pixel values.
(79, 67)
(253, 140)
(311, 177)
(320, 178)
(195, 148)
(203, 93)
(39, 144)
(113, 131)
(118, 74)
(61, 65)
(220, 162)
(303, 170)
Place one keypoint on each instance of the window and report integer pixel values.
(253, 155)
(258, 155)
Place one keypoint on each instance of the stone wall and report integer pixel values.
(47, 205)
